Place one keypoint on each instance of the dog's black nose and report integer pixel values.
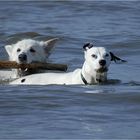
(102, 62)
(22, 57)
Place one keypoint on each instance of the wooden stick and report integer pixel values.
(37, 65)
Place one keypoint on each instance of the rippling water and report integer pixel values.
(75, 112)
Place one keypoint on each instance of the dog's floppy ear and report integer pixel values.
(49, 45)
(116, 59)
(8, 49)
(87, 46)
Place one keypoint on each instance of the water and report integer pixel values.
(75, 112)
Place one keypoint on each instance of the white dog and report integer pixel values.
(28, 51)
(94, 70)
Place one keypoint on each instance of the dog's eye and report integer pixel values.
(32, 50)
(107, 55)
(18, 50)
(94, 56)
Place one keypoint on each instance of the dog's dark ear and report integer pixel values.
(87, 46)
(116, 59)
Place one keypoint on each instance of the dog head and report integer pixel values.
(98, 58)
(28, 50)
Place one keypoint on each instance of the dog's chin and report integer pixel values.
(102, 70)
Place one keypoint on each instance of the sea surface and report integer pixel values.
(105, 111)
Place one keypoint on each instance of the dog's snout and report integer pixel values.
(102, 62)
(22, 57)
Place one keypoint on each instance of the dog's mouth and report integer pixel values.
(23, 69)
(102, 70)
(22, 72)
(26, 71)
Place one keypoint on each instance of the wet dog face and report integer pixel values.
(98, 58)
(28, 50)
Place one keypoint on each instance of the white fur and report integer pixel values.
(34, 51)
(91, 70)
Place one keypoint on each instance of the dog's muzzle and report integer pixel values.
(103, 67)
(102, 70)
(22, 58)
(102, 62)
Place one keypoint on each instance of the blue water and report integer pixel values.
(108, 111)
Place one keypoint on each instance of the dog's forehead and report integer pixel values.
(25, 44)
(97, 50)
